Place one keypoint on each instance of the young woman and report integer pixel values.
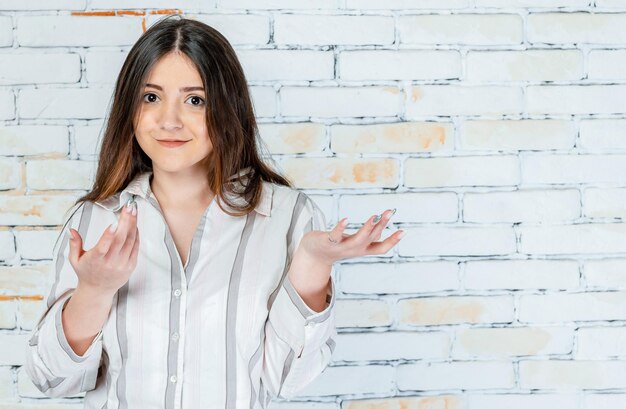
(207, 283)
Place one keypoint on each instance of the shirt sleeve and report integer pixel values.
(298, 341)
(53, 367)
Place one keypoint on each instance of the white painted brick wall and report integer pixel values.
(496, 128)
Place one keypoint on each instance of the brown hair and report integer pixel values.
(230, 118)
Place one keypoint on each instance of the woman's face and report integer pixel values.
(169, 111)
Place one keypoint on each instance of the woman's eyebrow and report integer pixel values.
(183, 89)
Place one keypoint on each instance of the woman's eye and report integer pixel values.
(148, 95)
(197, 101)
(197, 98)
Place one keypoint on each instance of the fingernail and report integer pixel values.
(377, 218)
(393, 212)
(401, 235)
(134, 212)
(69, 233)
(113, 227)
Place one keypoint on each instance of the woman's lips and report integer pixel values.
(172, 144)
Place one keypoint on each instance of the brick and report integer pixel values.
(601, 202)
(575, 99)
(87, 139)
(239, 29)
(605, 273)
(63, 103)
(508, 342)
(456, 375)
(398, 278)
(528, 205)
(410, 207)
(318, 29)
(596, 134)
(30, 310)
(348, 380)
(26, 140)
(455, 310)
(576, 28)
(573, 239)
(289, 65)
(7, 245)
(6, 383)
(406, 4)
(564, 168)
(60, 30)
(424, 402)
(452, 100)
(6, 31)
(35, 210)
(521, 274)
(527, 134)
(8, 313)
(604, 400)
(501, 170)
(26, 68)
(328, 173)
(457, 241)
(25, 280)
(37, 5)
(7, 102)
(332, 102)
(396, 137)
(572, 375)
(607, 64)
(362, 313)
(391, 345)
(462, 29)
(13, 351)
(527, 65)
(293, 138)
(102, 67)
(60, 174)
(399, 65)
(264, 101)
(523, 401)
(36, 244)
(557, 308)
(601, 343)
(10, 173)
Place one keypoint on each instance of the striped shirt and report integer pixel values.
(225, 330)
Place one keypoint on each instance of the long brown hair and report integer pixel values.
(230, 118)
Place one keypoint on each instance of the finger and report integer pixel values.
(76, 247)
(128, 244)
(337, 232)
(135, 251)
(381, 224)
(123, 230)
(382, 247)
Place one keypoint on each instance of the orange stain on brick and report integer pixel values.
(416, 94)
(392, 90)
(166, 11)
(131, 13)
(442, 311)
(365, 172)
(301, 139)
(21, 297)
(430, 402)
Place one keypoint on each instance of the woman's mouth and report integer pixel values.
(172, 144)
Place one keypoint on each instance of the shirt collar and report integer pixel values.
(140, 186)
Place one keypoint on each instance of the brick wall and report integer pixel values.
(496, 128)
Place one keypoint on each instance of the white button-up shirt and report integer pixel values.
(225, 330)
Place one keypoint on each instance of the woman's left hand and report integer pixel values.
(317, 245)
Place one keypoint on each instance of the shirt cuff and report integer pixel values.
(56, 352)
(297, 324)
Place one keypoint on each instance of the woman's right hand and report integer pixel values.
(107, 266)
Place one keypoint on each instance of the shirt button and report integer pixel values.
(175, 336)
(177, 292)
(173, 378)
